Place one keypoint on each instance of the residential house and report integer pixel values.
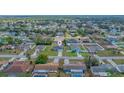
(121, 67)
(42, 70)
(75, 69)
(102, 70)
(15, 68)
(57, 48)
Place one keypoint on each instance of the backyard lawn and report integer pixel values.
(85, 54)
(67, 52)
(14, 51)
(71, 54)
(31, 51)
(48, 51)
(119, 61)
(4, 59)
(67, 35)
(82, 47)
(108, 53)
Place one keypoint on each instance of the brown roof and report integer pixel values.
(3, 62)
(78, 65)
(49, 66)
(16, 67)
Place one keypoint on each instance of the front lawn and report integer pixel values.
(2, 74)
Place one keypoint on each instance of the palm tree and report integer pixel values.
(60, 69)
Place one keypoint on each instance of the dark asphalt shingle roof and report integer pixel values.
(103, 68)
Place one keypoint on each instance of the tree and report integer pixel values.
(95, 62)
(9, 40)
(64, 42)
(60, 69)
(41, 59)
(123, 39)
(91, 61)
(43, 41)
(81, 32)
(88, 61)
(28, 56)
(18, 41)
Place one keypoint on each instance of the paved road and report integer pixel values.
(98, 58)
(22, 59)
(109, 59)
(21, 56)
(114, 64)
(114, 57)
(64, 57)
(11, 56)
(34, 55)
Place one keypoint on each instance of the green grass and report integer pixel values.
(115, 74)
(48, 51)
(119, 61)
(31, 51)
(76, 60)
(14, 51)
(52, 74)
(73, 54)
(2, 74)
(108, 53)
(82, 48)
(24, 75)
(67, 35)
(4, 59)
(85, 54)
(70, 54)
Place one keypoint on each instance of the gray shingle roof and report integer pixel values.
(103, 68)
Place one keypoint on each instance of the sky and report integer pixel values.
(61, 7)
